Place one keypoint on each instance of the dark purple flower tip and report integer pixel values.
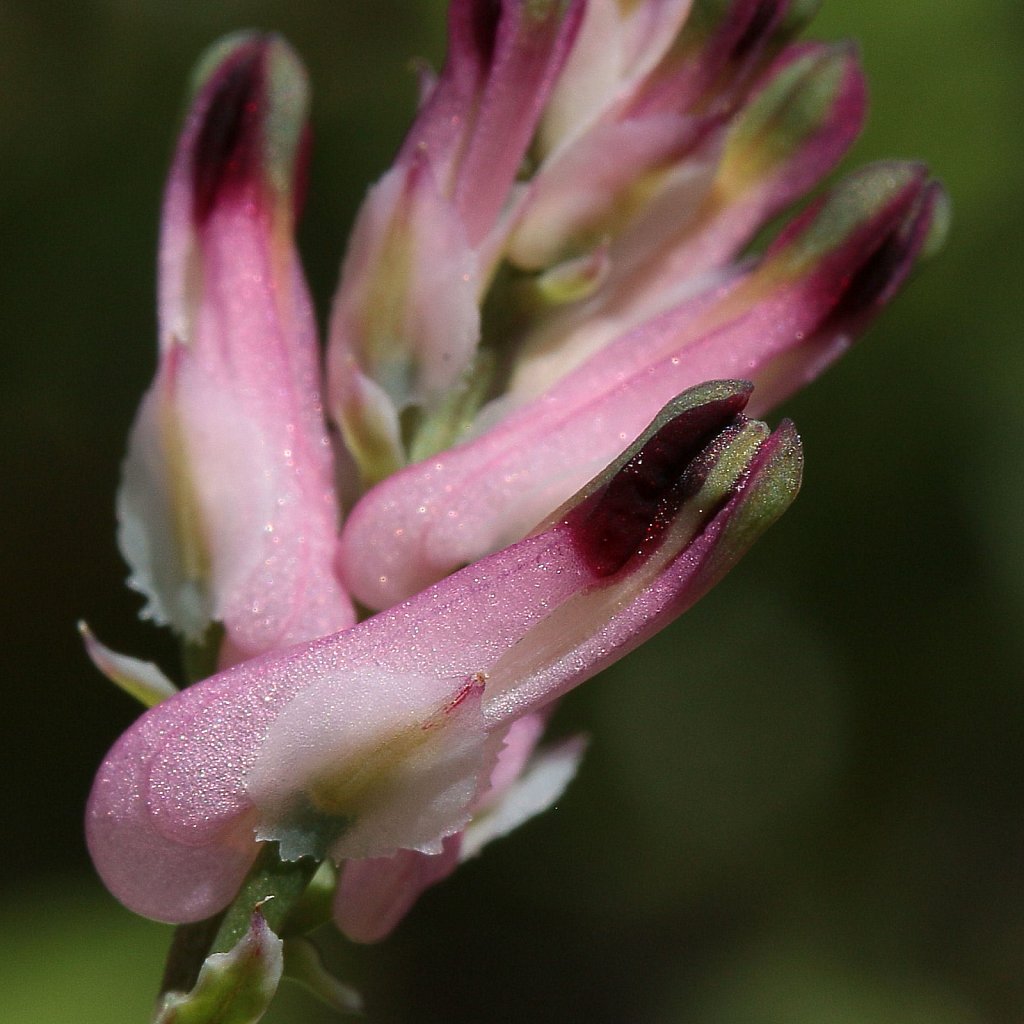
(757, 21)
(638, 497)
(477, 22)
(251, 135)
(859, 242)
(883, 273)
(732, 34)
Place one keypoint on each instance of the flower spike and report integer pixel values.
(382, 738)
(554, 328)
(227, 510)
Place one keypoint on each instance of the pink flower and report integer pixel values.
(559, 251)
(613, 278)
(381, 738)
(406, 320)
(227, 510)
(779, 322)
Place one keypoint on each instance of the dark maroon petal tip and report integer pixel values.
(228, 147)
(762, 18)
(887, 267)
(626, 516)
(484, 18)
(303, 155)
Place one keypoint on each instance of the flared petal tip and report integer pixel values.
(699, 462)
(626, 514)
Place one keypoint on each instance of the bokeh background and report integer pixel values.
(802, 804)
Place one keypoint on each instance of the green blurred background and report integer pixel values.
(802, 804)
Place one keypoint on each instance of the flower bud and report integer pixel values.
(406, 319)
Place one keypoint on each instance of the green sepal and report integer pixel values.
(235, 987)
(142, 680)
(314, 907)
(273, 885)
(304, 966)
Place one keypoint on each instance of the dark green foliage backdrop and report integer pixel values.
(801, 805)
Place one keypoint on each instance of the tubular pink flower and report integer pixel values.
(504, 57)
(617, 47)
(801, 117)
(383, 737)
(652, 153)
(227, 509)
(556, 255)
(779, 323)
(406, 321)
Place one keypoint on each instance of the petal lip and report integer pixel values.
(885, 271)
(851, 216)
(855, 247)
(503, 59)
(629, 512)
(247, 137)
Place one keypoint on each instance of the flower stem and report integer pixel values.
(276, 884)
(189, 948)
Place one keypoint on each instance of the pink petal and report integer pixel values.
(405, 323)
(617, 47)
(374, 895)
(503, 59)
(227, 510)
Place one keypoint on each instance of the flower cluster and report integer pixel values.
(548, 314)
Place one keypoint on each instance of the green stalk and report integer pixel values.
(276, 885)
